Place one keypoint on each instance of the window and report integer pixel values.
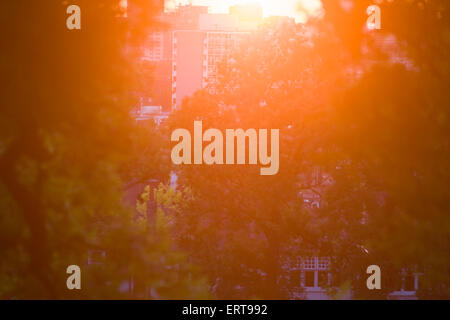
(323, 263)
(323, 278)
(309, 263)
(409, 280)
(409, 283)
(315, 271)
(309, 278)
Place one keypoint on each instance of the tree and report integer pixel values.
(240, 224)
(66, 141)
(379, 135)
(391, 128)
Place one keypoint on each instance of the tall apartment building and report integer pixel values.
(198, 49)
(159, 47)
(188, 49)
(196, 57)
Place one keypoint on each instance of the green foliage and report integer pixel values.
(67, 147)
(381, 138)
(391, 129)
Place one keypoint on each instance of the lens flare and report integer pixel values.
(301, 10)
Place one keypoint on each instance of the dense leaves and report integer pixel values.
(370, 115)
(68, 150)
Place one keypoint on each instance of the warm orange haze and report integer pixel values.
(299, 9)
(274, 150)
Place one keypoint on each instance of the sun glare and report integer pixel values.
(298, 9)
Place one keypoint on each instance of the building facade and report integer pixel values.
(187, 51)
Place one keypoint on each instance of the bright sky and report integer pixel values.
(299, 9)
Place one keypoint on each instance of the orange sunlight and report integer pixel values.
(298, 9)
